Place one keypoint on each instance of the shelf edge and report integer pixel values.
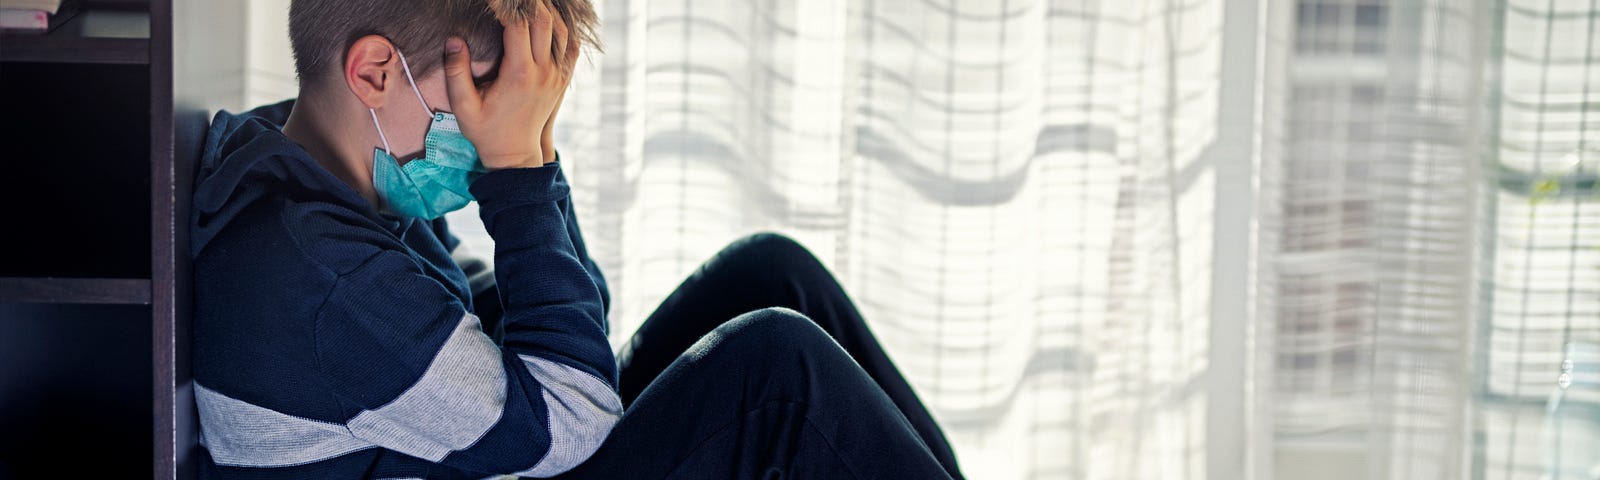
(98, 291)
(94, 51)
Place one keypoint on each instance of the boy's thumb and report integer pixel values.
(458, 74)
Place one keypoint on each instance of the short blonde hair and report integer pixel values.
(321, 31)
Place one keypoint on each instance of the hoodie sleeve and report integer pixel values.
(486, 297)
(425, 380)
(578, 243)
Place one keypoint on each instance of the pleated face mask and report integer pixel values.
(435, 184)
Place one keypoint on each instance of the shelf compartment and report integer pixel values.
(75, 376)
(79, 171)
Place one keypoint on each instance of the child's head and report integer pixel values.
(322, 32)
(351, 57)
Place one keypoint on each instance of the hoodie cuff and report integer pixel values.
(519, 186)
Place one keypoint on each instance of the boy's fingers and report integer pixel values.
(561, 37)
(541, 29)
(458, 77)
(516, 58)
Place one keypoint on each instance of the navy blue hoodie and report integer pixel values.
(332, 341)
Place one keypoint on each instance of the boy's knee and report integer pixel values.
(771, 333)
(771, 242)
(774, 250)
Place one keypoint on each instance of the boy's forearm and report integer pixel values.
(576, 234)
(553, 309)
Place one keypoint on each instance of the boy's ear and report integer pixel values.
(368, 68)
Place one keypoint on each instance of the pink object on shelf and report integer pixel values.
(20, 19)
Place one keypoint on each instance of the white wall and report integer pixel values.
(269, 65)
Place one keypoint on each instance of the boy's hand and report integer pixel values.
(566, 55)
(502, 119)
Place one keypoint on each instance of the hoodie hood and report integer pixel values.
(246, 159)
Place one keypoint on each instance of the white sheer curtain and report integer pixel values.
(1023, 196)
(1430, 243)
(1010, 190)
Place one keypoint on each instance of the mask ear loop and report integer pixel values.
(407, 67)
(428, 111)
(386, 150)
(381, 136)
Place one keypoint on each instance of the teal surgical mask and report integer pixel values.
(435, 184)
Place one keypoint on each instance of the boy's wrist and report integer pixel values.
(514, 186)
(506, 163)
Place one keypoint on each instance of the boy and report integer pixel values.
(335, 336)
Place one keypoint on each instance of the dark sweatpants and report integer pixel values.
(733, 378)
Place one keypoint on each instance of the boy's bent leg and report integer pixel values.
(760, 271)
(766, 395)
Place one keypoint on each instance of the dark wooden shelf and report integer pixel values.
(85, 291)
(95, 298)
(98, 36)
